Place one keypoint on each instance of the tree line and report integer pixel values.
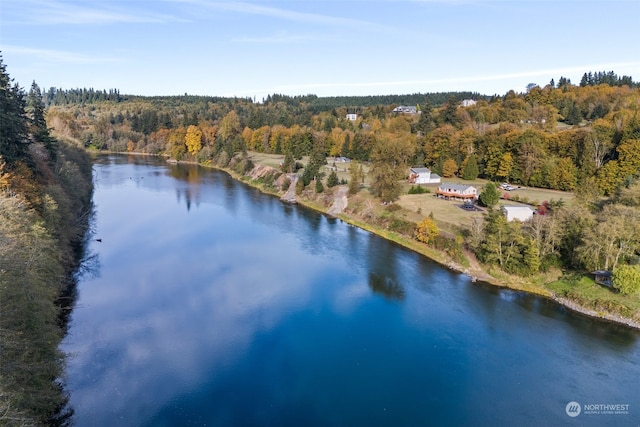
(566, 138)
(45, 202)
(584, 139)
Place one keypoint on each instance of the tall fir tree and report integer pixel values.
(289, 163)
(13, 120)
(489, 197)
(37, 122)
(470, 168)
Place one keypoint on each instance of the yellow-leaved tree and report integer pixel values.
(193, 139)
(449, 168)
(426, 231)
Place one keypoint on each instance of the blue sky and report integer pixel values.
(328, 47)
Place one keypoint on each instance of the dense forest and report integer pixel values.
(579, 138)
(45, 202)
(560, 136)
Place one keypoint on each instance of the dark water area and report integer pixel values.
(213, 304)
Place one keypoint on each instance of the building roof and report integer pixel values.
(420, 170)
(602, 273)
(518, 208)
(405, 109)
(458, 187)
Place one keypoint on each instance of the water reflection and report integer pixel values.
(383, 269)
(241, 310)
(386, 286)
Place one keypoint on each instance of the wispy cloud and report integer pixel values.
(48, 12)
(57, 55)
(285, 14)
(556, 72)
(280, 38)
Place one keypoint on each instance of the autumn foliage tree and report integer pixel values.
(449, 168)
(193, 139)
(390, 158)
(426, 231)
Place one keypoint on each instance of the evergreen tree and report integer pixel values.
(471, 168)
(332, 180)
(13, 121)
(531, 257)
(35, 108)
(288, 166)
(489, 197)
(584, 81)
(574, 116)
(426, 123)
(316, 161)
(346, 147)
(356, 177)
(37, 123)
(449, 115)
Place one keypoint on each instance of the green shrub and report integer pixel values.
(626, 279)
(332, 180)
(393, 207)
(402, 226)
(417, 189)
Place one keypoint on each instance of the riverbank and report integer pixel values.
(471, 268)
(43, 227)
(333, 202)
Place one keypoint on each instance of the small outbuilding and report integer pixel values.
(518, 213)
(603, 277)
(423, 176)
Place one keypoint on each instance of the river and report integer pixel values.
(209, 303)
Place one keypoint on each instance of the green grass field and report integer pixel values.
(448, 214)
(586, 291)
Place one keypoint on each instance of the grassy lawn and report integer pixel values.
(448, 214)
(532, 194)
(273, 160)
(597, 297)
(539, 195)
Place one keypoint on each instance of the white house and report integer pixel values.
(352, 116)
(423, 176)
(405, 109)
(449, 190)
(468, 103)
(518, 213)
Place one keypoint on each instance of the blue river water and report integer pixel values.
(209, 303)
